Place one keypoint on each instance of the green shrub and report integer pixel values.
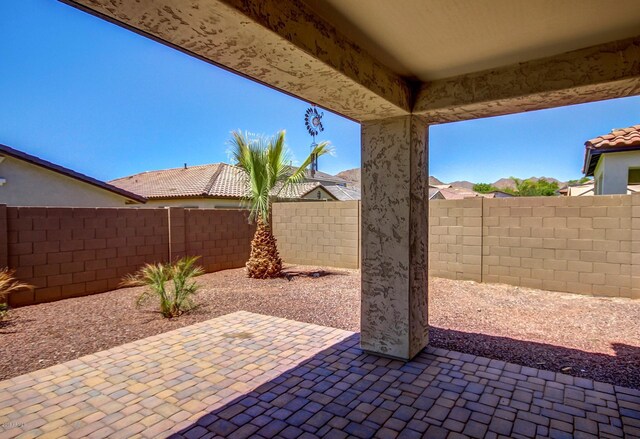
(484, 188)
(171, 284)
(8, 285)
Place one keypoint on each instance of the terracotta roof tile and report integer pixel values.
(171, 183)
(620, 138)
(617, 140)
(219, 180)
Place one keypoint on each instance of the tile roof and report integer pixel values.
(433, 193)
(6, 150)
(623, 137)
(617, 140)
(343, 193)
(297, 190)
(454, 193)
(217, 180)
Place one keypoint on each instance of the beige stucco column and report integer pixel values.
(394, 236)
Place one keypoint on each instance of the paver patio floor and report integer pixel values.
(248, 375)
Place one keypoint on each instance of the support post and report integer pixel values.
(394, 236)
(177, 233)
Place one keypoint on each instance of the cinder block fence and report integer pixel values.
(69, 252)
(318, 233)
(586, 245)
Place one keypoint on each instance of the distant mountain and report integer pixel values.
(507, 183)
(462, 184)
(504, 183)
(352, 176)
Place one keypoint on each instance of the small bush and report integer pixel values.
(175, 297)
(8, 285)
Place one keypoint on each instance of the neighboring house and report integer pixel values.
(497, 194)
(449, 192)
(325, 179)
(614, 160)
(586, 190)
(217, 185)
(343, 193)
(26, 180)
(434, 194)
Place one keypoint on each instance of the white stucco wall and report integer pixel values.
(31, 185)
(224, 203)
(323, 195)
(614, 169)
(205, 203)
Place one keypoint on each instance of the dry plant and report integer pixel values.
(8, 285)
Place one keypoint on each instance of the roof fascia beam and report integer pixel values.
(279, 43)
(605, 71)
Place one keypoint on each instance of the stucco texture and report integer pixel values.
(394, 237)
(30, 185)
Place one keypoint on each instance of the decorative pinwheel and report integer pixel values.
(313, 121)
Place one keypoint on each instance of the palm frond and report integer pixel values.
(173, 301)
(264, 164)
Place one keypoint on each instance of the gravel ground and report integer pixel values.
(598, 338)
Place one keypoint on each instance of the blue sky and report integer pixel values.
(89, 95)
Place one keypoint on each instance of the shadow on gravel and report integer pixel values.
(620, 369)
(291, 273)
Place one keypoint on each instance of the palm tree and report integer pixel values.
(264, 165)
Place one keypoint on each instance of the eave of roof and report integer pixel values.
(4, 149)
(620, 140)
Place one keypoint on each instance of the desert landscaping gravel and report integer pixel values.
(592, 337)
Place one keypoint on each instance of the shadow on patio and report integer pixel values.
(343, 392)
(621, 368)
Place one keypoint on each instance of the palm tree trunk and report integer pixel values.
(264, 261)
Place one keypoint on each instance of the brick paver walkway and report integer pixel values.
(247, 375)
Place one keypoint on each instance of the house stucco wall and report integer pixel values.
(614, 169)
(224, 203)
(31, 185)
(318, 194)
(204, 203)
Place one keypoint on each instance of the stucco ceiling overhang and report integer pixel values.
(371, 59)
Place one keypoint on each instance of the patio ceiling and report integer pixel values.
(447, 60)
(438, 39)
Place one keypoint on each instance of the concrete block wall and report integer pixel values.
(585, 245)
(635, 246)
(223, 239)
(455, 239)
(574, 244)
(68, 252)
(318, 233)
